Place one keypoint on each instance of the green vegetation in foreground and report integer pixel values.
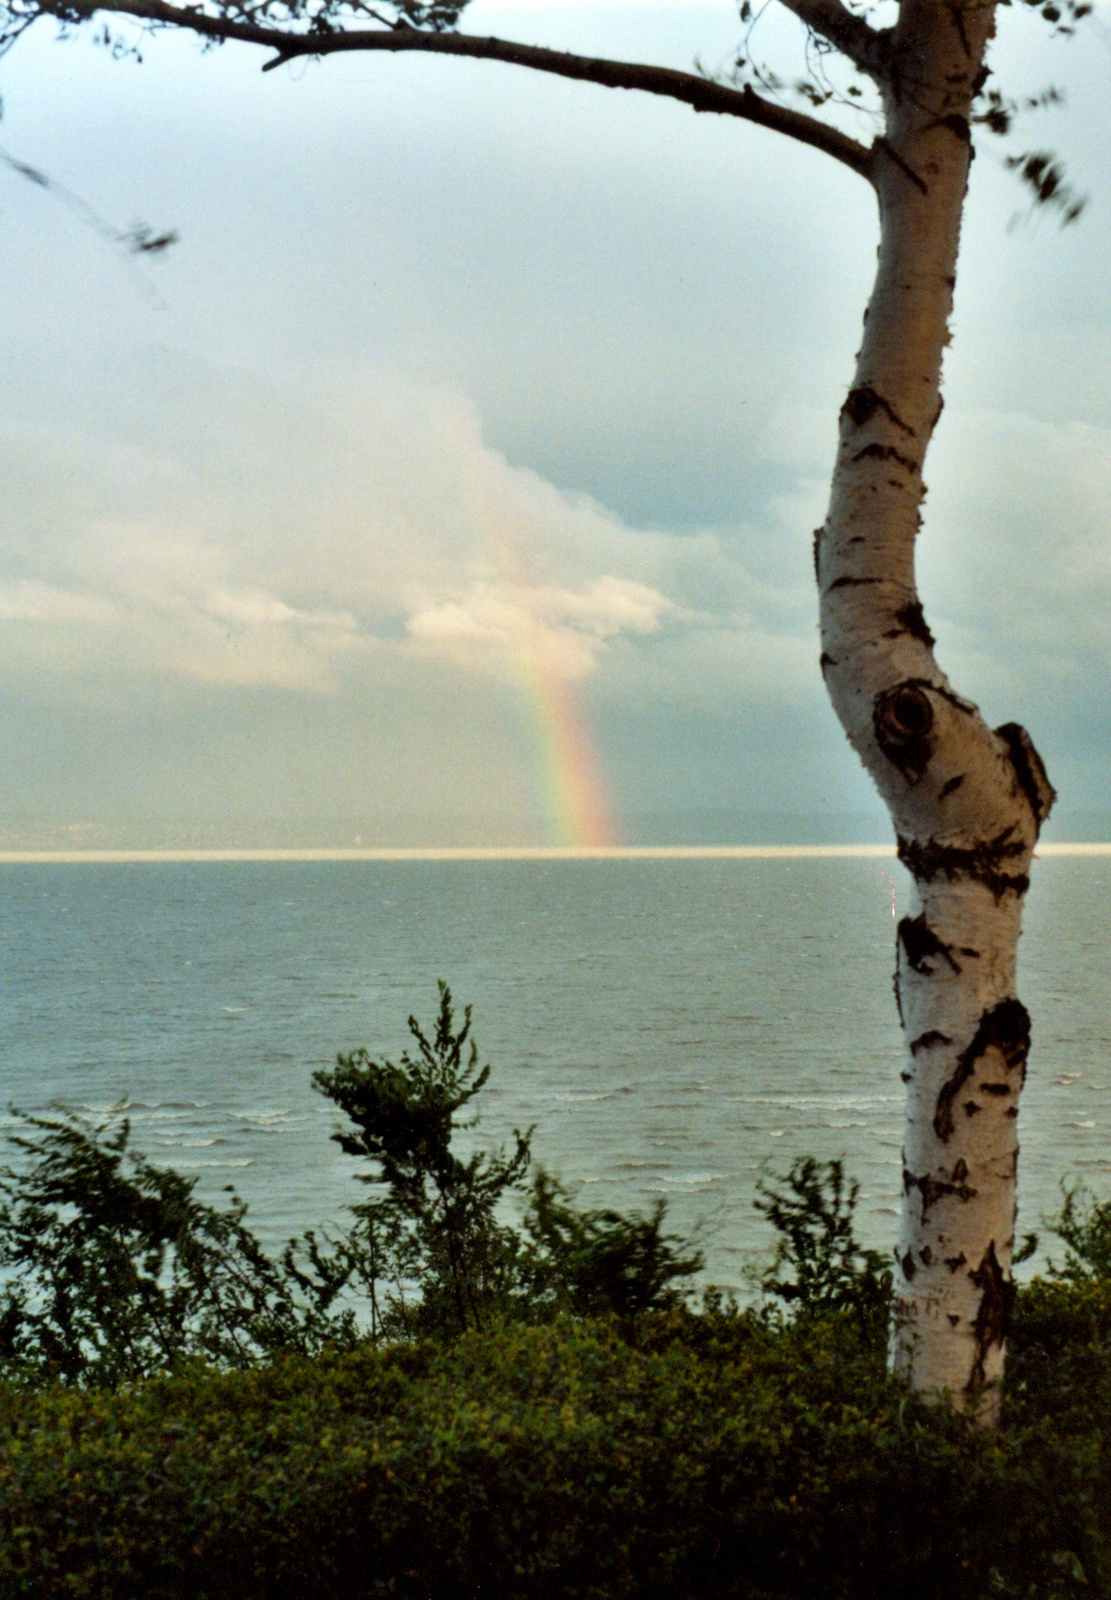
(387, 1413)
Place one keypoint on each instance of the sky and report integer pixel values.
(452, 479)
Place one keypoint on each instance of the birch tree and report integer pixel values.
(966, 800)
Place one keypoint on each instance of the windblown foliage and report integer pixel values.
(111, 1268)
(813, 1214)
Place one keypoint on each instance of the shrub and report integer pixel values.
(706, 1457)
(828, 1270)
(438, 1254)
(1084, 1223)
(113, 1269)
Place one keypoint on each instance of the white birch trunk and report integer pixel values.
(966, 802)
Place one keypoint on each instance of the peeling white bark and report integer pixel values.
(967, 802)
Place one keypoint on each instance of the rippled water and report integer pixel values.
(670, 1026)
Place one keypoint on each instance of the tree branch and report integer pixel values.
(865, 47)
(701, 94)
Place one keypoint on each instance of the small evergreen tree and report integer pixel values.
(828, 1270)
(433, 1219)
(437, 1251)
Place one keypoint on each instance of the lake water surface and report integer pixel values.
(670, 1026)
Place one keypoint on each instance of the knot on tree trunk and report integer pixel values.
(862, 404)
(903, 719)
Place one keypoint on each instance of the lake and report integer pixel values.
(671, 1026)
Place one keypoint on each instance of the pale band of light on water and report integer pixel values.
(711, 852)
(672, 1021)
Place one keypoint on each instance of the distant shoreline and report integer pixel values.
(744, 852)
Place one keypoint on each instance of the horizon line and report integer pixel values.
(740, 852)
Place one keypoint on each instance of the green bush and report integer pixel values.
(113, 1270)
(433, 1246)
(531, 1409)
(708, 1456)
(813, 1211)
(1084, 1224)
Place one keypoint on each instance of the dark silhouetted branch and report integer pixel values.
(701, 94)
(865, 47)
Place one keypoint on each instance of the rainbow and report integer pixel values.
(574, 802)
(577, 807)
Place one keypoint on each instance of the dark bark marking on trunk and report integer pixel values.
(940, 400)
(862, 404)
(826, 660)
(1029, 769)
(934, 1189)
(995, 1088)
(967, 950)
(926, 1256)
(925, 1040)
(902, 719)
(993, 1318)
(851, 583)
(954, 700)
(983, 862)
(951, 787)
(971, 1108)
(923, 946)
(1004, 1027)
(953, 1318)
(912, 620)
(958, 23)
(818, 532)
(893, 155)
(1011, 1111)
(953, 1262)
(886, 452)
(957, 125)
(909, 1267)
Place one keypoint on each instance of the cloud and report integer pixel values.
(350, 571)
(556, 630)
(210, 530)
(1014, 560)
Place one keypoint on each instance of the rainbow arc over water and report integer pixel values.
(579, 813)
(577, 810)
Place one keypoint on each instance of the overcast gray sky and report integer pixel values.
(469, 400)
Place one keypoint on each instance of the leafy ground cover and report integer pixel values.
(443, 1401)
(687, 1455)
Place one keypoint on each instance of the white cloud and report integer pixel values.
(1014, 560)
(283, 544)
(558, 630)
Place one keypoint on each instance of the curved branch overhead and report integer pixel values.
(689, 88)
